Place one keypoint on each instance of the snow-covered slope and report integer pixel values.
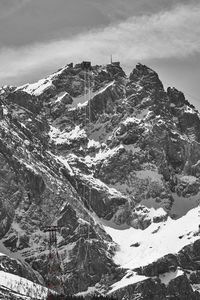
(25, 288)
(138, 247)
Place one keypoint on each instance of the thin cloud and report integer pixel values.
(173, 33)
(125, 8)
(8, 7)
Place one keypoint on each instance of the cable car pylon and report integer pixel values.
(54, 269)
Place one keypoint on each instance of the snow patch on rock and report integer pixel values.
(167, 277)
(128, 279)
(66, 137)
(155, 241)
(23, 286)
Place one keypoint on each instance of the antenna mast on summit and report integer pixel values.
(111, 61)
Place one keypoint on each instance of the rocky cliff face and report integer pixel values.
(114, 162)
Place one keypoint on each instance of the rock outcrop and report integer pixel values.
(96, 151)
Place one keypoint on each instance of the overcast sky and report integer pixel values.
(39, 36)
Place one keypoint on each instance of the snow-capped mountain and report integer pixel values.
(114, 161)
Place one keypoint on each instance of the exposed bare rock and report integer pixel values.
(95, 153)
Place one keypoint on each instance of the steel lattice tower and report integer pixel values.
(54, 270)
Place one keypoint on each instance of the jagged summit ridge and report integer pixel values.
(104, 157)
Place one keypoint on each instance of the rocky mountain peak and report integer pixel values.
(114, 161)
(145, 75)
(142, 70)
(145, 91)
